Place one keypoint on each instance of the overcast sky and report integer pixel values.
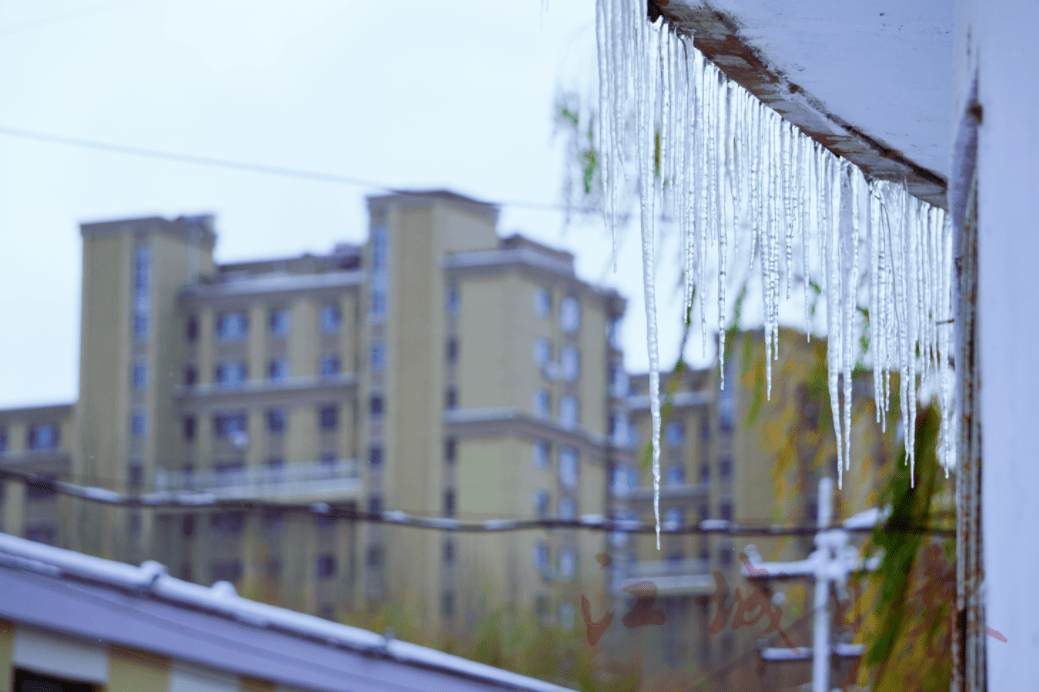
(411, 94)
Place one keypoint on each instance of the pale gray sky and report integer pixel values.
(414, 94)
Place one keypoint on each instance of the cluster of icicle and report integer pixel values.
(723, 156)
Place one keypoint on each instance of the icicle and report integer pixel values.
(833, 295)
(851, 312)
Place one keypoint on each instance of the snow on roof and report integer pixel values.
(143, 607)
(273, 283)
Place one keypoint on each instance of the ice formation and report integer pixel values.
(722, 157)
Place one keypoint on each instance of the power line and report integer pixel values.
(250, 167)
(199, 500)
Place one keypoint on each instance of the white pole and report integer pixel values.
(821, 633)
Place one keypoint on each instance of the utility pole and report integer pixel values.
(830, 563)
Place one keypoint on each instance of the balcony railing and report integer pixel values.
(291, 480)
(645, 492)
(670, 577)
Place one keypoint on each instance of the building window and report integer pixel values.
(705, 472)
(675, 474)
(540, 454)
(140, 325)
(705, 428)
(229, 424)
(375, 504)
(450, 450)
(231, 374)
(226, 570)
(273, 520)
(570, 362)
(43, 436)
(190, 376)
(725, 556)
(569, 411)
(330, 318)
(328, 417)
(567, 563)
(454, 300)
(451, 350)
(541, 556)
(812, 511)
(276, 420)
(618, 381)
(140, 374)
(542, 352)
(541, 501)
(449, 502)
(329, 365)
(570, 314)
(449, 552)
(451, 399)
(227, 523)
(568, 467)
(377, 358)
(135, 473)
(375, 455)
(620, 433)
(278, 323)
(41, 533)
(374, 556)
(726, 511)
(624, 479)
(326, 566)
(375, 406)
(191, 330)
(613, 334)
(232, 326)
(137, 425)
(567, 508)
(726, 469)
(542, 303)
(674, 434)
(673, 518)
(3, 442)
(705, 512)
(278, 369)
(187, 525)
(542, 403)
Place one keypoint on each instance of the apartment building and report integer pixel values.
(436, 369)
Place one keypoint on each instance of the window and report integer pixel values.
(541, 556)
(187, 525)
(570, 314)
(619, 433)
(278, 369)
(191, 329)
(228, 424)
(541, 501)
(231, 374)
(675, 474)
(569, 411)
(328, 469)
(328, 417)
(570, 362)
(542, 352)
(447, 604)
(542, 303)
(375, 455)
(141, 269)
(705, 512)
(226, 570)
(43, 436)
(232, 326)
(726, 511)
(41, 533)
(452, 350)
(3, 441)
(450, 450)
(378, 302)
(330, 318)
(137, 425)
(135, 473)
(374, 556)
(674, 434)
(227, 523)
(613, 334)
(449, 502)
(568, 467)
(273, 520)
(705, 472)
(673, 518)
(275, 420)
(190, 376)
(567, 563)
(329, 365)
(140, 374)
(278, 323)
(451, 399)
(454, 300)
(812, 511)
(705, 557)
(705, 427)
(326, 566)
(567, 508)
(542, 403)
(375, 504)
(140, 324)
(624, 479)
(375, 406)
(618, 381)
(540, 454)
(449, 552)
(377, 357)
(725, 556)
(726, 469)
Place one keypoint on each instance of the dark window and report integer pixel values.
(277, 369)
(226, 424)
(190, 376)
(705, 428)
(705, 472)
(447, 604)
(44, 436)
(727, 511)
(449, 502)
(329, 417)
(449, 552)
(187, 525)
(330, 318)
(450, 450)
(192, 330)
(726, 469)
(140, 325)
(278, 323)
(3, 439)
(454, 300)
(329, 365)
(189, 428)
(24, 681)
(276, 420)
(137, 425)
(812, 511)
(229, 523)
(42, 533)
(226, 570)
(375, 405)
(375, 504)
(325, 521)
(326, 566)
(725, 557)
(452, 350)
(374, 556)
(40, 489)
(231, 326)
(705, 556)
(273, 520)
(375, 455)
(451, 400)
(136, 475)
(705, 512)
(378, 299)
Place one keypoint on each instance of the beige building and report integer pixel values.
(436, 369)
